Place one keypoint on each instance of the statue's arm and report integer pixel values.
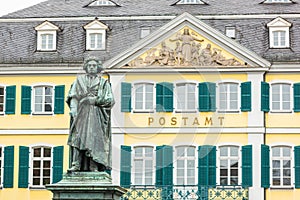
(105, 96)
(72, 100)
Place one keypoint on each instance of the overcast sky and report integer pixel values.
(8, 6)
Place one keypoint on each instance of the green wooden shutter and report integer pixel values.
(159, 166)
(125, 173)
(59, 99)
(25, 99)
(297, 97)
(206, 165)
(23, 166)
(265, 166)
(58, 158)
(8, 175)
(297, 166)
(265, 100)
(247, 166)
(164, 166)
(246, 96)
(164, 97)
(207, 97)
(10, 101)
(125, 97)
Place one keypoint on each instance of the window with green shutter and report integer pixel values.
(207, 97)
(8, 169)
(265, 100)
(59, 99)
(265, 166)
(247, 166)
(125, 172)
(10, 101)
(297, 166)
(25, 99)
(58, 158)
(230, 163)
(23, 167)
(164, 97)
(125, 97)
(246, 96)
(296, 97)
(206, 165)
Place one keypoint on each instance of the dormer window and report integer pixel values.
(278, 1)
(95, 35)
(279, 33)
(102, 3)
(190, 2)
(46, 36)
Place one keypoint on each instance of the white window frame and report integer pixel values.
(177, 109)
(190, 2)
(46, 28)
(144, 83)
(281, 98)
(185, 158)
(33, 99)
(144, 158)
(95, 27)
(280, 25)
(31, 157)
(102, 3)
(227, 109)
(4, 99)
(219, 164)
(278, 1)
(281, 158)
(230, 31)
(144, 32)
(1, 165)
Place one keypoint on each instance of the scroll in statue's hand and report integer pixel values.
(88, 100)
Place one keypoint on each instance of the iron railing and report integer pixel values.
(191, 192)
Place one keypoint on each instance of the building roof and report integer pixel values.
(71, 8)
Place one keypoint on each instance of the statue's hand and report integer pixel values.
(92, 100)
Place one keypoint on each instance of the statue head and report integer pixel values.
(94, 60)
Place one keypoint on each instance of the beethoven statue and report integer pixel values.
(90, 100)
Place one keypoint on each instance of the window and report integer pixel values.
(2, 97)
(230, 31)
(228, 97)
(102, 3)
(41, 166)
(278, 1)
(279, 33)
(46, 36)
(186, 97)
(189, 2)
(281, 97)
(95, 35)
(281, 166)
(143, 162)
(144, 97)
(229, 165)
(43, 99)
(186, 165)
(144, 31)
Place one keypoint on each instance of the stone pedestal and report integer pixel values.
(86, 186)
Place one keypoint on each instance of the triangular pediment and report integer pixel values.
(46, 26)
(183, 43)
(279, 22)
(95, 25)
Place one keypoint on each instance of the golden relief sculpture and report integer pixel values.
(185, 49)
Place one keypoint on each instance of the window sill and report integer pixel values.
(229, 111)
(47, 51)
(185, 111)
(281, 188)
(281, 111)
(143, 111)
(37, 188)
(42, 113)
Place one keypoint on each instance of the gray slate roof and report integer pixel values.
(18, 39)
(68, 8)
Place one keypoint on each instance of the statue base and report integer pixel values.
(86, 186)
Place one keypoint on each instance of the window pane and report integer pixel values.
(180, 163)
(224, 163)
(276, 164)
(38, 107)
(46, 181)
(286, 173)
(234, 163)
(36, 181)
(286, 181)
(224, 172)
(276, 151)
(36, 172)
(138, 152)
(286, 151)
(223, 181)
(234, 172)
(191, 151)
(36, 164)
(234, 181)
(37, 152)
(224, 151)
(286, 164)
(276, 172)
(47, 164)
(180, 151)
(234, 151)
(48, 107)
(48, 90)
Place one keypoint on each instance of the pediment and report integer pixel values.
(279, 22)
(46, 26)
(95, 25)
(186, 42)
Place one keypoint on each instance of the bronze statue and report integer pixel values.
(90, 100)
